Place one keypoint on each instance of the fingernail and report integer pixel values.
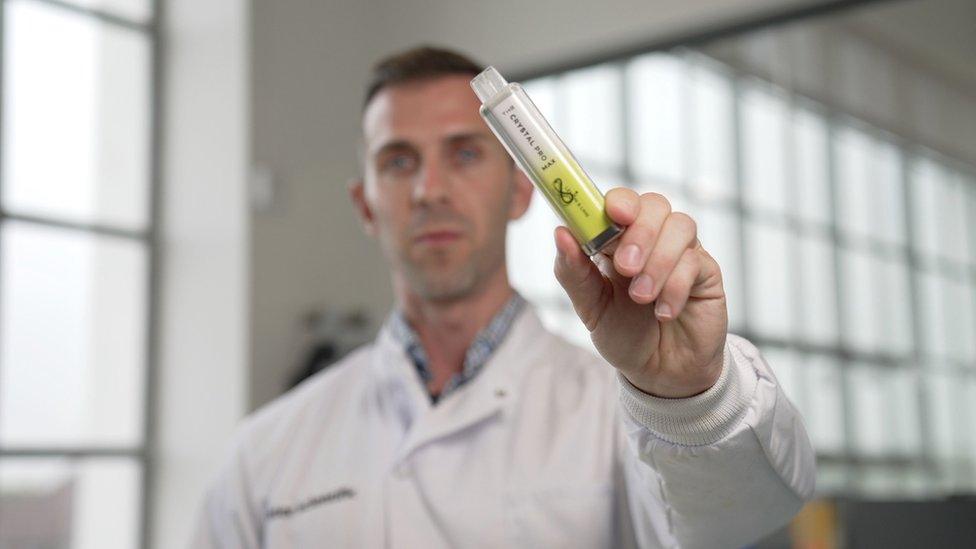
(642, 286)
(663, 310)
(629, 256)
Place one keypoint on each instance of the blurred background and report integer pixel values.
(177, 248)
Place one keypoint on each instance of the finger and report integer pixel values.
(622, 205)
(579, 277)
(677, 288)
(678, 234)
(709, 283)
(639, 238)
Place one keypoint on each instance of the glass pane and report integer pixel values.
(870, 198)
(968, 418)
(764, 134)
(823, 412)
(718, 231)
(656, 90)
(786, 367)
(960, 328)
(893, 482)
(861, 299)
(592, 115)
(812, 181)
(819, 290)
(927, 182)
(134, 10)
(76, 117)
(901, 390)
(867, 386)
(543, 94)
(770, 279)
(679, 203)
(885, 411)
(72, 338)
(969, 183)
(887, 184)
(833, 479)
(84, 504)
(712, 132)
(954, 229)
(854, 174)
(894, 300)
(932, 290)
(532, 250)
(948, 430)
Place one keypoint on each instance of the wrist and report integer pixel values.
(701, 419)
(688, 385)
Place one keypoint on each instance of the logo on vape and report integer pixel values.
(566, 196)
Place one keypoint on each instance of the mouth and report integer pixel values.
(439, 237)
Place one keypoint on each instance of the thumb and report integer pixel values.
(579, 277)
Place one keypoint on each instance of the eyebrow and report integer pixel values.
(467, 136)
(453, 139)
(393, 145)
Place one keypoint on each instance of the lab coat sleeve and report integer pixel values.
(229, 518)
(726, 466)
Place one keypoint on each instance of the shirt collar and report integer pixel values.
(477, 355)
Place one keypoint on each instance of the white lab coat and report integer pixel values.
(546, 447)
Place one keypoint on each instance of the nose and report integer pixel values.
(432, 184)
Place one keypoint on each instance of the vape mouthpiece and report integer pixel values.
(488, 83)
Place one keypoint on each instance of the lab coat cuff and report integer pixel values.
(699, 420)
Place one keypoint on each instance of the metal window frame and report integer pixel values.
(906, 255)
(148, 237)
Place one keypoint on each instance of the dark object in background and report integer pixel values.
(844, 523)
(333, 334)
(895, 524)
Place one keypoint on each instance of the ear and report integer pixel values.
(521, 194)
(357, 193)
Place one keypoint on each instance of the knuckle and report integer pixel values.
(659, 264)
(624, 197)
(673, 288)
(656, 200)
(559, 270)
(639, 233)
(686, 223)
(677, 285)
(622, 193)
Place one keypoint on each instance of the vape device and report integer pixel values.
(542, 155)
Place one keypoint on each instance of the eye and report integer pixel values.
(399, 163)
(467, 155)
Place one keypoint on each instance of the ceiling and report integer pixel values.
(941, 34)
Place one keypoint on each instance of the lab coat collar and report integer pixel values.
(489, 394)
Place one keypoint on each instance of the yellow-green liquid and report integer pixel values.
(540, 153)
(575, 198)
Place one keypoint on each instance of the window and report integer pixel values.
(76, 257)
(847, 253)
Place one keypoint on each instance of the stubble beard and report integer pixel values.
(434, 278)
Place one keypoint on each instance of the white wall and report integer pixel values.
(202, 376)
(310, 62)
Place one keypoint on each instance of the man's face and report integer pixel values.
(439, 189)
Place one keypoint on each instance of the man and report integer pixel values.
(468, 424)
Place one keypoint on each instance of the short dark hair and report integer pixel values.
(415, 64)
